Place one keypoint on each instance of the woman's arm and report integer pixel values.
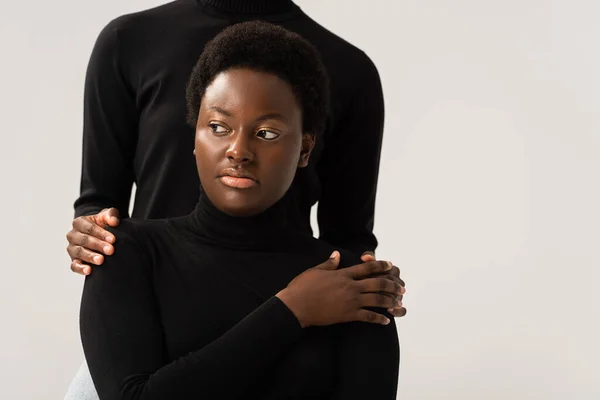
(369, 358)
(110, 125)
(124, 344)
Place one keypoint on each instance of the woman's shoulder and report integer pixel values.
(147, 235)
(139, 246)
(133, 229)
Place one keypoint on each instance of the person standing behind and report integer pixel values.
(135, 129)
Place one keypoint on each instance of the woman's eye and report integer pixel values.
(267, 135)
(216, 128)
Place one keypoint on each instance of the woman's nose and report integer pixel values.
(239, 150)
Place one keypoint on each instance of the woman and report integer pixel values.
(227, 302)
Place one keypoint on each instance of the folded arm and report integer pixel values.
(124, 344)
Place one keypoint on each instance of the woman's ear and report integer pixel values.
(308, 144)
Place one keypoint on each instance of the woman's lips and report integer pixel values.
(238, 183)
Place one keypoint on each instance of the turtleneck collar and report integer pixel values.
(259, 7)
(259, 231)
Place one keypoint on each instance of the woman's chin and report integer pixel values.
(240, 202)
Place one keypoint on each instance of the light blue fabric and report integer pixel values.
(82, 386)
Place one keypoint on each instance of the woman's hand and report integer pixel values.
(324, 295)
(88, 241)
(393, 274)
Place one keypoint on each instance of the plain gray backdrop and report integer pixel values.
(488, 199)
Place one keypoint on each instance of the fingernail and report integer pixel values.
(87, 270)
(109, 239)
(106, 249)
(387, 321)
(97, 259)
(399, 304)
(389, 265)
(334, 254)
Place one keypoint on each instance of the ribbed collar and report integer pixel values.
(258, 7)
(261, 231)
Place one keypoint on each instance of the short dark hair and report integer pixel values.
(264, 47)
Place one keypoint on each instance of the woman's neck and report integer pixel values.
(264, 230)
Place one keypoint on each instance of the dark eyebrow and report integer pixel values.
(265, 117)
(220, 111)
(273, 115)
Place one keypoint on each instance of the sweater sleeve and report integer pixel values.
(110, 124)
(349, 168)
(125, 348)
(369, 357)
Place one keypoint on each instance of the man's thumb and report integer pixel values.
(332, 263)
(368, 256)
(110, 217)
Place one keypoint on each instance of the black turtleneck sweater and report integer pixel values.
(135, 129)
(186, 309)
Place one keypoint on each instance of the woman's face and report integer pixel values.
(249, 141)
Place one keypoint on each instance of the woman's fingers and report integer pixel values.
(394, 274)
(381, 284)
(395, 279)
(364, 270)
(379, 300)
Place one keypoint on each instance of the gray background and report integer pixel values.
(488, 197)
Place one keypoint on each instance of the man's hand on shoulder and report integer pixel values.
(89, 242)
